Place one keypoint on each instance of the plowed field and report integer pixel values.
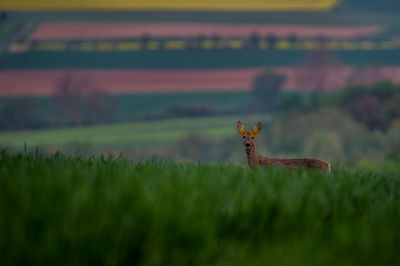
(103, 30)
(43, 82)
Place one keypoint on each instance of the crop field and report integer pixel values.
(111, 30)
(59, 210)
(131, 106)
(185, 59)
(194, 44)
(148, 134)
(250, 5)
(232, 17)
(43, 82)
(131, 81)
(348, 19)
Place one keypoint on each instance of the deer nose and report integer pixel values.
(247, 144)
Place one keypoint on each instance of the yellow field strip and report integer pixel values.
(238, 5)
(105, 46)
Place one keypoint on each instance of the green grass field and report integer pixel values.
(185, 59)
(349, 15)
(127, 107)
(151, 134)
(58, 210)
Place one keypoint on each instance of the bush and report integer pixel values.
(328, 133)
(376, 106)
(325, 145)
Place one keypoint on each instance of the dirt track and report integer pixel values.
(43, 82)
(103, 30)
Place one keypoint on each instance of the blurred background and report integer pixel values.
(170, 79)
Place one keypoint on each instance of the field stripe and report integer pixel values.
(124, 30)
(207, 44)
(224, 5)
(141, 134)
(42, 82)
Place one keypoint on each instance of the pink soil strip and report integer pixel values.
(103, 30)
(309, 78)
(43, 82)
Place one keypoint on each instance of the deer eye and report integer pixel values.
(252, 137)
(244, 137)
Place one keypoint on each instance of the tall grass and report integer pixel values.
(59, 210)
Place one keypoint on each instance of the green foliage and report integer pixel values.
(327, 134)
(327, 144)
(382, 90)
(58, 210)
(313, 129)
(376, 106)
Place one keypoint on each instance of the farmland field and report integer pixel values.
(299, 18)
(185, 59)
(133, 81)
(58, 210)
(114, 81)
(109, 30)
(140, 134)
(126, 107)
(250, 5)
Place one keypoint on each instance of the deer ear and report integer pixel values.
(256, 129)
(241, 128)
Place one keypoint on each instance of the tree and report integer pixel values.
(267, 89)
(79, 99)
(374, 106)
(68, 94)
(366, 110)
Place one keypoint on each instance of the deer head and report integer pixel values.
(248, 136)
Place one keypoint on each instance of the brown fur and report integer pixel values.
(253, 158)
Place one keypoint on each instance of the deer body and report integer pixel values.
(253, 158)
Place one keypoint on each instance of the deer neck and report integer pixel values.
(252, 156)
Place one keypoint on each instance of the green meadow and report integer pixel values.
(125, 107)
(60, 210)
(185, 59)
(146, 134)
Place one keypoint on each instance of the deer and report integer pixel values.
(254, 159)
